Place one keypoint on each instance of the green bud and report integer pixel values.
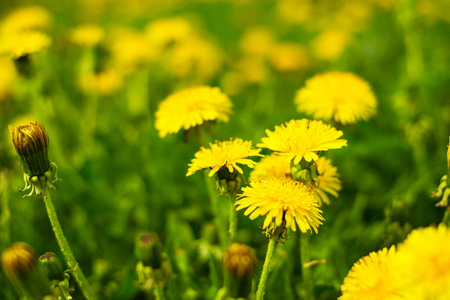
(305, 171)
(228, 183)
(149, 250)
(52, 266)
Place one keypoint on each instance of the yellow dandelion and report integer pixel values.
(104, 83)
(329, 182)
(257, 41)
(8, 76)
(197, 59)
(191, 107)
(226, 154)
(167, 32)
(88, 35)
(281, 200)
(304, 138)
(24, 43)
(423, 263)
(372, 278)
(271, 166)
(26, 18)
(340, 96)
(253, 69)
(330, 44)
(289, 57)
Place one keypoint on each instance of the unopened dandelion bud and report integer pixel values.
(239, 263)
(31, 143)
(52, 266)
(228, 182)
(20, 264)
(149, 250)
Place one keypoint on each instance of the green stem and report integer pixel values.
(233, 220)
(215, 209)
(159, 295)
(265, 271)
(306, 271)
(65, 249)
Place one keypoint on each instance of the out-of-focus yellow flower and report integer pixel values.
(104, 83)
(329, 182)
(304, 138)
(239, 260)
(257, 41)
(294, 11)
(289, 57)
(7, 77)
(226, 154)
(130, 50)
(281, 200)
(20, 44)
(271, 166)
(434, 10)
(87, 35)
(373, 278)
(191, 107)
(330, 44)
(253, 69)
(164, 33)
(232, 82)
(339, 96)
(197, 59)
(25, 18)
(423, 264)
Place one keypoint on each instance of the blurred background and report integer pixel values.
(98, 70)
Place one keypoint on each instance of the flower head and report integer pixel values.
(289, 57)
(26, 18)
(239, 260)
(18, 260)
(227, 154)
(281, 200)
(20, 44)
(329, 182)
(271, 166)
(338, 96)
(372, 278)
(31, 144)
(191, 107)
(87, 35)
(423, 263)
(304, 138)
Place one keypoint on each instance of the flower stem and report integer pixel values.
(159, 295)
(306, 270)
(215, 209)
(265, 271)
(233, 220)
(65, 249)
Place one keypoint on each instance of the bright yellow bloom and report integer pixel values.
(7, 77)
(271, 166)
(224, 154)
(372, 278)
(26, 18)
(87, 35)
(330, 43)
(23, 43)
(191, 107)
(304, 138)
(197, 59)
(343, 97)
(329, 182)
(423, 263)
(167, 32)
(281, 199)
(289, 57)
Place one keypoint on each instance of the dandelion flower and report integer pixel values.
(8, 76)
(329, 182)
(87, 35)
(289, 57)
(281, 200)
(372, 278)
(257, 41)
(167, 32)
(104, 83)
(26, 18)
(338, 96)
(423, 263)
(271, 166)
(330, 44)
(191, 107)
(304, 138)
(24, 43)
(224, 154)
